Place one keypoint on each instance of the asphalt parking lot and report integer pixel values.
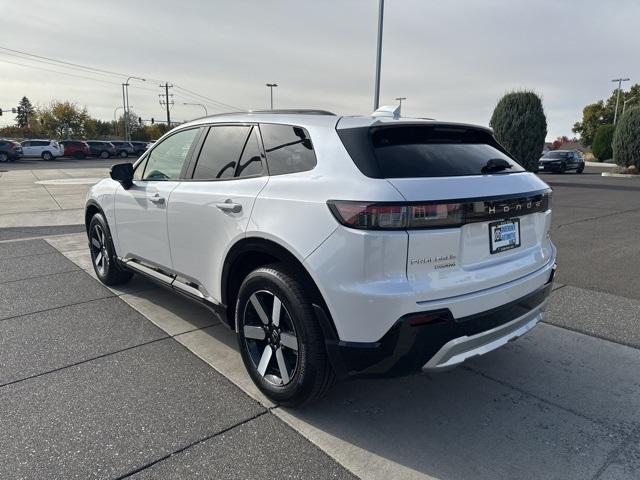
(136, 382)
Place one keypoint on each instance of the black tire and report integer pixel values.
(123, 154)
(580, 169)
(563, 168)
(103, 255)
(308, 372)
(3, 157)
(104, 154)
(47, 156)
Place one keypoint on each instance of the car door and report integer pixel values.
(27, 149)
(210, 211)
(141, 210)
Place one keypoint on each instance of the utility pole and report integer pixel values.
(168, 100)
(619, 80)
(400, 100)
(376, 88)
(271, 85)
(124, 114)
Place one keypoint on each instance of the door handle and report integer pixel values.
(229, 206)
(157, 199)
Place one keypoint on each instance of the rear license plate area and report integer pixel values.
(504, 235)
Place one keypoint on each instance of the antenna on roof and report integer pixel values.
(387, 111)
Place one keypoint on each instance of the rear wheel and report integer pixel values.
(104, 154)
(103, 255)
(580, 169)
(124, 154)
(281, 343)
(4, 157)
(46, 156)
(563, 168)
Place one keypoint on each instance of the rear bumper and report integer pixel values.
(449, 341)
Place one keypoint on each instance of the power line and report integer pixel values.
(57, 71)
(226, 105)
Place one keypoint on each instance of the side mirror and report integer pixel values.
(123, 173)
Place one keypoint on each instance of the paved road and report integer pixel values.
(89, 388)
(62, 162)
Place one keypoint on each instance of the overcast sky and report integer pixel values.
(452, 59)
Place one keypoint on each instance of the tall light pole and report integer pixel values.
(376, 88)
(619, 80)
(206, 113)
(125, 87)
(114, 118)
(271, 85)
(400, 100)
(624, 104)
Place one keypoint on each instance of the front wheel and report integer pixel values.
(580, 169)
(123, 154)
(104, 154)
(47, 156)
(280, 340)
(4, 157)
(103, 255)
(562, 169)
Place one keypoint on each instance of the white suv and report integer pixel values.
(334, 246)
(46, 149)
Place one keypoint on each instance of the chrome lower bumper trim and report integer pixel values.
(460, 349)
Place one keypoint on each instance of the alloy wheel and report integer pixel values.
(3, 157)
(99, 252)
(270, 338)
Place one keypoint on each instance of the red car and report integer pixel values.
(76, 148)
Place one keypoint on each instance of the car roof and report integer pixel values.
(318, 118)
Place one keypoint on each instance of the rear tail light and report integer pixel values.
(404, 216)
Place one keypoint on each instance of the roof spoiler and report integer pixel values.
(387, 111)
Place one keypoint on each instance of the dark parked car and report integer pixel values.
(76, 148)
(561, 160)
(140, 147)
(101, 149)
(124, 149)
(10, 151)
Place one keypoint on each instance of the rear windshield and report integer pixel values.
(425, 151)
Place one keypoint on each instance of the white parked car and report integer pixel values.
(46, 149)
(335, 247)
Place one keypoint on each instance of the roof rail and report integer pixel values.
(301, 111)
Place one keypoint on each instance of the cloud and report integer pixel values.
(451, 59)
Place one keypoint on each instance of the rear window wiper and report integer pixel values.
(495, 165)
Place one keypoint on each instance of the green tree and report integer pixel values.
(626, 139)
(520, 125)
(64, 120)
(26, 113)
(602, 142)
(602, 113)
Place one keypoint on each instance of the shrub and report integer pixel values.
(602, 142)
(520, 126)
(626, 139)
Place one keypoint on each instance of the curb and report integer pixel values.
(619, 175)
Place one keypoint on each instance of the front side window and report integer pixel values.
(288, 148)
(167, 158)
(221, 151)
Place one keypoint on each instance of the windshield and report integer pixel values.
(555, 155)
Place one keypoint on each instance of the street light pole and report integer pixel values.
(206, 113)
(271, 85)
(376, 88)
(126, 84)
(624, 104)
(619, 80)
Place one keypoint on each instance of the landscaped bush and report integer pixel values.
(602, 143)
(626, 139)
(520, 126)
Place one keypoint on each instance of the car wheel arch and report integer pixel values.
(254, 252)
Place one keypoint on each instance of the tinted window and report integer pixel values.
(220, 152)
(424, 151)
(167, 158)
(288, 148)
(251, 160)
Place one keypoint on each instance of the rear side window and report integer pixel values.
(288, 148)
(424, 151)
(221, 151)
